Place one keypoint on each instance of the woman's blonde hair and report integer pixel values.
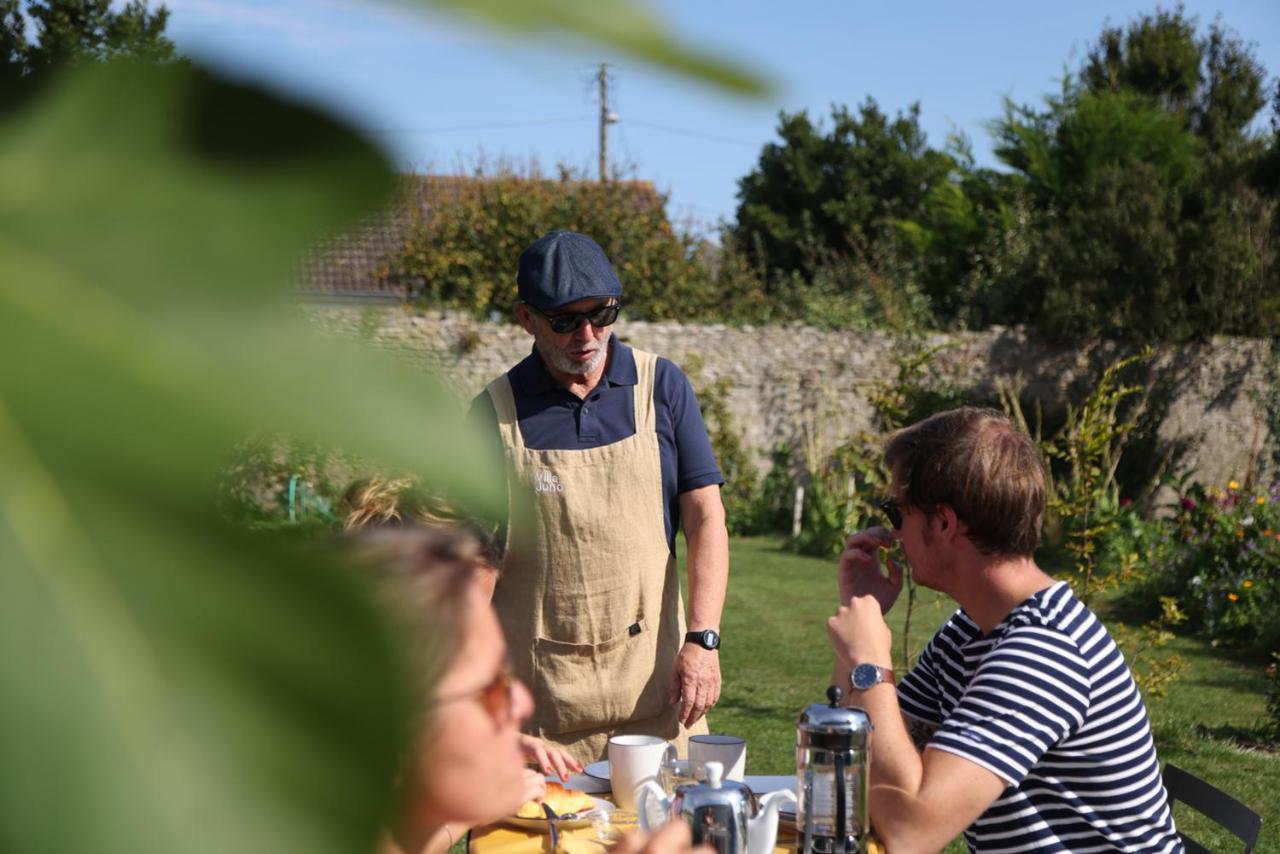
(380, 502)
(423, 577)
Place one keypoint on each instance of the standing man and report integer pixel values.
(1020, 724)
(607, 458)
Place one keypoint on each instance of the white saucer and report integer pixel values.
(583, 783)
(761, 785)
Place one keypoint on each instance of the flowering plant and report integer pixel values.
(1220, 555)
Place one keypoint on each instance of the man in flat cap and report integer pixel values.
(607, 458)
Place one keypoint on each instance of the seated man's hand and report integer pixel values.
(859, 634)
(860, 572)
(549, 758)
(672, 838)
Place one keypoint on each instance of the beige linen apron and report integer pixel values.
(589, 596)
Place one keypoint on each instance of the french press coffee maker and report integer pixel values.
(833, 747)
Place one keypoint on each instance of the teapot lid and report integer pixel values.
(834, 719)
(717, 791)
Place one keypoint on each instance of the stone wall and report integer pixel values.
(789, 383)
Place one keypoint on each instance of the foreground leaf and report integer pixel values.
(620, 24)
(172, 684)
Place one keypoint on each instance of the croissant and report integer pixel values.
(562, 800)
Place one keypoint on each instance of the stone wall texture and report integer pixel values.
(797, 384)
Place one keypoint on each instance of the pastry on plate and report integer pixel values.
(562, 800)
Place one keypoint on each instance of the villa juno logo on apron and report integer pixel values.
(545, 481)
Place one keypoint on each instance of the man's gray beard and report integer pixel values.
(558, 360)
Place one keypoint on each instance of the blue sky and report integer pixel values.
(441, 96)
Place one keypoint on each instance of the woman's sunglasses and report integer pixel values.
(570, 321)
(890, 508)
(498, 697)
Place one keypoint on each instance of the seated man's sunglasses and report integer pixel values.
(570, 321)
(891, 509)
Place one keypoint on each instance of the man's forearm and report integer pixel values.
(708, 558)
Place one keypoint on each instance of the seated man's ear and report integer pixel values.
(949, 524)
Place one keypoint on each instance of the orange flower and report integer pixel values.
(1248, 582)
(1261, 499)
(1239, 533)
(1233, 485)
(1234, 597)
(1266, 533)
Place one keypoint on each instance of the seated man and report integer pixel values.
(1020, 725)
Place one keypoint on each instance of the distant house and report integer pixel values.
(346, 267)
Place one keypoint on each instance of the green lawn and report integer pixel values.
(775, 661)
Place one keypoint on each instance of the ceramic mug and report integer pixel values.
(633, 761)
(729, 750)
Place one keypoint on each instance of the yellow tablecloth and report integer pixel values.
(502, 839)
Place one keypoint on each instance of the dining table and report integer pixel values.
(507, 837)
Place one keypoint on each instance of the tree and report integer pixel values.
(819, 194)
(69, 32)
(1150, 218)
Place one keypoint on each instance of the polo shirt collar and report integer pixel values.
(531, 376)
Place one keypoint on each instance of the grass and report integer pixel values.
(775, 661)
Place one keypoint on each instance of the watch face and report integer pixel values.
(710, 639)
(865, 676)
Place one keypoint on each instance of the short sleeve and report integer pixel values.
(1030, 693)
(696, 465)
(918, 693)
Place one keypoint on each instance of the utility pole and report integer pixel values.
(606, 118)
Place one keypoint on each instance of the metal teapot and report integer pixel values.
(721, 812)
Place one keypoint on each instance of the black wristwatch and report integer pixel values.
(707, 638)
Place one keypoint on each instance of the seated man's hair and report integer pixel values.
(978, 464)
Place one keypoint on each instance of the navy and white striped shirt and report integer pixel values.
(1046, 703)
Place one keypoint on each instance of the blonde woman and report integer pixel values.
(381, 502)
(467, 762)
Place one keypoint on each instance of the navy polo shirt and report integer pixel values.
(552, 418)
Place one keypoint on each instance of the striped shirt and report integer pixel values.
(1046, 703)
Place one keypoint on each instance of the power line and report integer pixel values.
(693, 133)
(490, 126)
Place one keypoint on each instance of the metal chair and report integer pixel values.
(1216, 804)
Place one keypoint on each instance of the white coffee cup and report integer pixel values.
(728, 750)
(633, 760)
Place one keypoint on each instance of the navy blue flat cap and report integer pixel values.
(564, 267)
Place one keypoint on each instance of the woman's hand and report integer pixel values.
(674, 837)
(549, 758)
(535, 786)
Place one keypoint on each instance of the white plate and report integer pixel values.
(762, 785)
(599, 770)
(542, 825)
(583, 783)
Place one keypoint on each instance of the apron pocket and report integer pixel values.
(598, 686)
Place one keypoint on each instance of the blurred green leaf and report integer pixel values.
(172, 684)
(620, 24)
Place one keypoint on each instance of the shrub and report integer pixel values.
(1220, 555)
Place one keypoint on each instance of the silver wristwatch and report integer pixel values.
(866, 676)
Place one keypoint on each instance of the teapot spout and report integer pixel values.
(762, 831)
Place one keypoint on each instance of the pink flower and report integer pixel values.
(1188, 504)
(1126, 502)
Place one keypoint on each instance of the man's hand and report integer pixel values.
(859, 634)
(695, 682)
(549, 758)
(860, 573)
